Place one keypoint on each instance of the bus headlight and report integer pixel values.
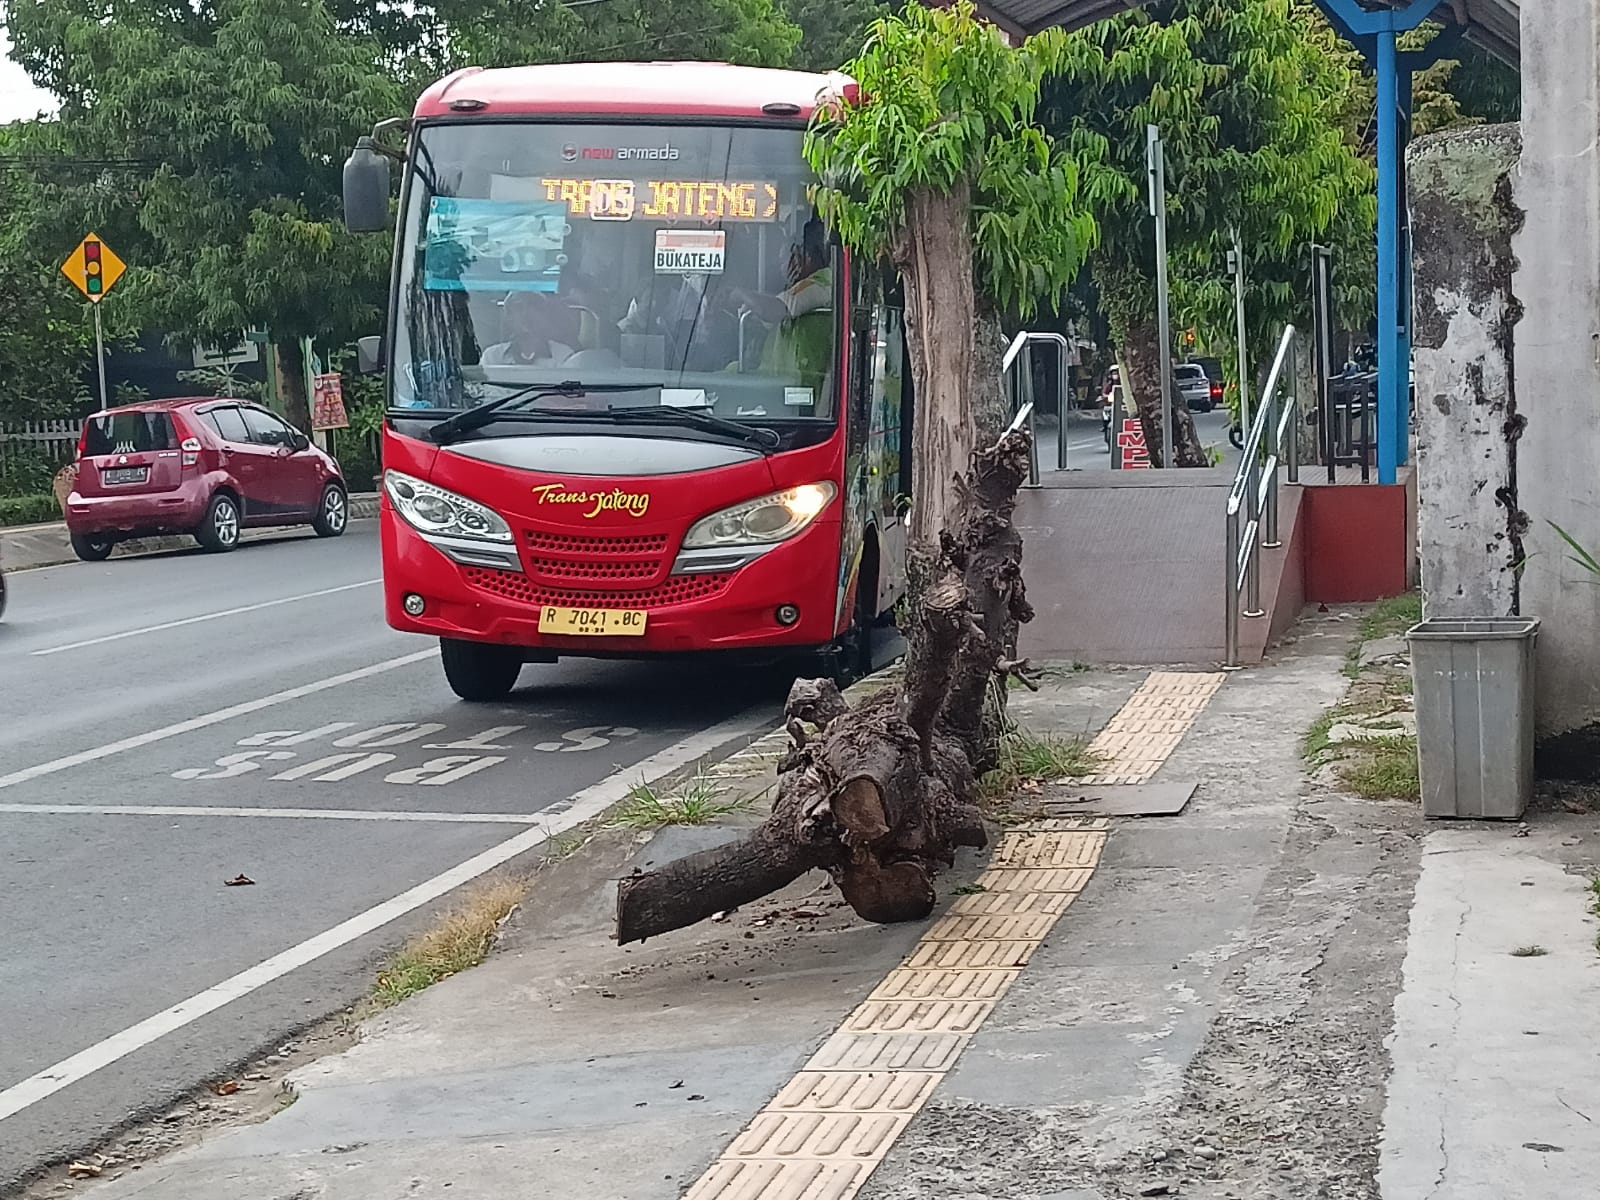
(774, 518)
(431, 509)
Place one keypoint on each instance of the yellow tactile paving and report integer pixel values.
(918, 1016)
(970, 956)
(1147, 729)
(1023, 849)
(991, 904)
(1005, 927)
(907, 984)
(846, 1051)
(856, 1091)
(864, 1137)
(1068, 880)
(823, 1135)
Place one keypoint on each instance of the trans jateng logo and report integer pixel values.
(635, 504)
(667, 153)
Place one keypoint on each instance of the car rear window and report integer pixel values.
(1188, 371)
(129, 433)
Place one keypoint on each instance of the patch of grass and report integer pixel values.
(1043, 757)
(698, 802)
(462, 938)
(1030, 758)
(1397, 685)
(971, 889)
(1316, 742)
(1529, 952)
(1389, 617)
(1386, 769)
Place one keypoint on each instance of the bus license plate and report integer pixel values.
(592, 622)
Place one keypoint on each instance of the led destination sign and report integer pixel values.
(665, 199)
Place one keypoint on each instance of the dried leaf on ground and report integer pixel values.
(239, 881)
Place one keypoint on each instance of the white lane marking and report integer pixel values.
(215, 616)
(584, 806)
(206, 720)
(323, 814)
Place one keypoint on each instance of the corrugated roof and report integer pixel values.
(1493, 24)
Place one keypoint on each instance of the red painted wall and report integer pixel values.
(1360, 541)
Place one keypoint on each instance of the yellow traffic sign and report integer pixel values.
(93, 268)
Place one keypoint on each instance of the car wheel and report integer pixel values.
(333, 514)
(477, 671)
(219, 532)
(93, 547)
(2, 595)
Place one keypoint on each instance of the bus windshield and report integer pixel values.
(685, 258)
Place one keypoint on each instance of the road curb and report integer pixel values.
(32, 546)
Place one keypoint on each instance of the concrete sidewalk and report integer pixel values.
(28, 546)
(1193, 1005)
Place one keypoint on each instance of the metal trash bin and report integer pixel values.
(1473, 680)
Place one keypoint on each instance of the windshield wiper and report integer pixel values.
(478, 416)
(653, 414)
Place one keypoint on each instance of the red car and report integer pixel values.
(206, 467)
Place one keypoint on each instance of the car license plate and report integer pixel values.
(592, 622)
(125, 475)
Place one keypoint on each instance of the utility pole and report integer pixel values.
(1156, 163)
(1236, 265)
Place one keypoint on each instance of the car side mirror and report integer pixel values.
(369, 355)
(299, 441)
(366, 189)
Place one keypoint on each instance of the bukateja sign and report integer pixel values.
(635, 504)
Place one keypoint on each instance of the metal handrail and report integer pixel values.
(1254, 494)
(1026, 340)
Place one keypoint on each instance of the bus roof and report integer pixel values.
(683, 89)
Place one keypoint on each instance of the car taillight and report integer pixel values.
(1216, 391)
(191, 451)
(83, 441)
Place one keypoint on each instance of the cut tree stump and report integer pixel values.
(881, 795)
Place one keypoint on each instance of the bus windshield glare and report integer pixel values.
(686, 258)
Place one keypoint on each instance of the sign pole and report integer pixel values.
(1155, 160)
(1236, 263)
(100, 355)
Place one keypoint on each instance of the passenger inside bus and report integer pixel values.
(800, 343)
(540, 331)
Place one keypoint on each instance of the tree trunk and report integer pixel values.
(292, 380)
(881, 796)
(991, 402)
(1141, 351)
(934, 255)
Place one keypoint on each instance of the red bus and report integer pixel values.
(640, 402)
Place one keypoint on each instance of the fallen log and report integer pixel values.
(883, 794)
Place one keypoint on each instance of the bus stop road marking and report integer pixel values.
(584, 806)
(206, 720)
(293, 814)
(227, 612)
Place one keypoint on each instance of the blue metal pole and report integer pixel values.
(1403, 80)
(1390, 429)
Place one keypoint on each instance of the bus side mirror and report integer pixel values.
(369, 355)
(366, 189)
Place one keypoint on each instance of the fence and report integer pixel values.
(30, 447)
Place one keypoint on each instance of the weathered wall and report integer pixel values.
(1557, 371)
(1470, 525)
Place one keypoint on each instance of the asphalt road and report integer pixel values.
(171, 722)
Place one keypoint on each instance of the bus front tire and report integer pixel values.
(477, 671)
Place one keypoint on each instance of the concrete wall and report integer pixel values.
(1469, 522)
(1557, 358)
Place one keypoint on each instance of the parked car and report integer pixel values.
(1194, 387)
(206, 467)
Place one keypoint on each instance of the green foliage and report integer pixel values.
(223, 381)
(1242, 91)
(832, 31)
(28, 510)
(945, 104)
